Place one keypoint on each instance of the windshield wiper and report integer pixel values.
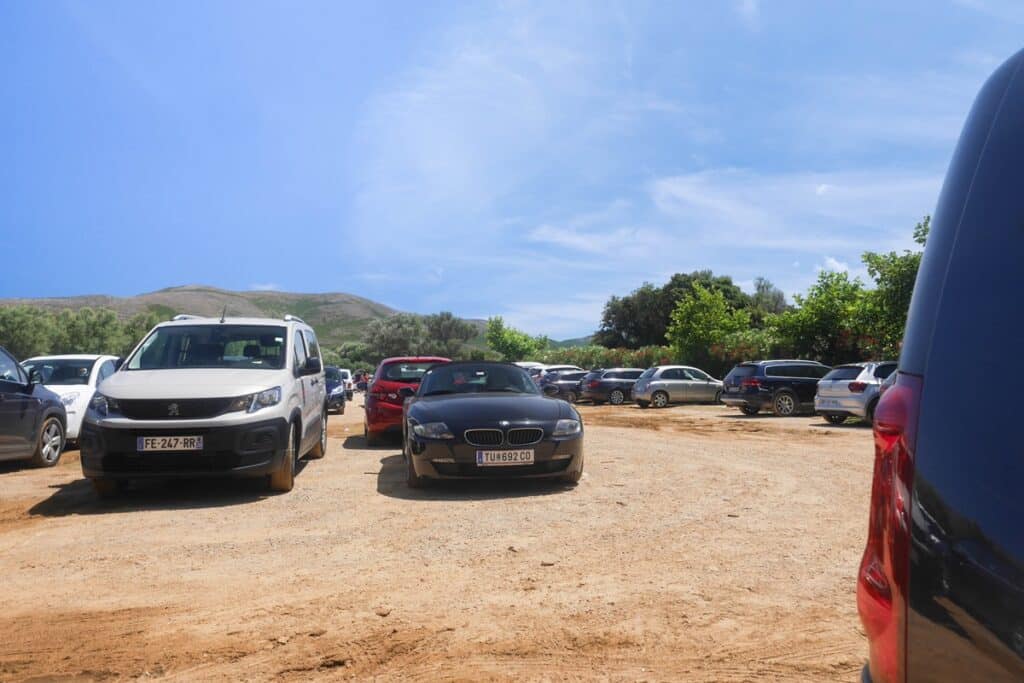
(440, 392)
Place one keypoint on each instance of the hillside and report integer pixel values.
(337, 317)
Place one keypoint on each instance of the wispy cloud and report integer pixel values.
(265, 287)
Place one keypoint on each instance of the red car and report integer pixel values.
(383, 401)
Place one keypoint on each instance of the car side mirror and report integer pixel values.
(34, 377)
(312, 367)
(406, 392)
(118, 363)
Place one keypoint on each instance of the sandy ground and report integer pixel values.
(700, 545)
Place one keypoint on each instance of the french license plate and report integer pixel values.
(829, 402)
(148, 444)
(503, 458)
(732, 390)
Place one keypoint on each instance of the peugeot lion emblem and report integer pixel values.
(172, 410)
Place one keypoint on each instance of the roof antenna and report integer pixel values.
(224, 314)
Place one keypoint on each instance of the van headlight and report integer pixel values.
(567, 428)
(250, 403)
(433, 430)
(104, 405)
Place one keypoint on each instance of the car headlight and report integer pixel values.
(338, 389)
(433, 430)
(567, 428)
(104, 405)
(250, 403)
(68, 399)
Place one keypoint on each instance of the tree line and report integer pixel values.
(28, 331)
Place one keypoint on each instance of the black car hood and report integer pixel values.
(486, 409)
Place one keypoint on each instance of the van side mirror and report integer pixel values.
(312, 367)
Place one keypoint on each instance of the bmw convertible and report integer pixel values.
(482, 420)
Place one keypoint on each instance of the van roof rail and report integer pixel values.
(184, 316)
(293, 318)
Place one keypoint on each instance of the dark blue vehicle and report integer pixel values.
(33, 421)
(786, 387)
(336, 394)
(940, 589)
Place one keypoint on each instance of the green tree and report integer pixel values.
(510, 343)
(446, 335)
(702, 319)
(26, 331)
(88, 330)
(137, 327)
(886, 305)
(826, 324)
(766, 300)
(401, 334)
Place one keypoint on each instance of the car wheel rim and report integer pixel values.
(785, 404)
(51, 441)
(660, 400)
(616, 398)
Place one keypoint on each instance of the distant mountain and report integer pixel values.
(337, 317)
(578, 341)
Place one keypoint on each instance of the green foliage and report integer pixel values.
(446, 335)
(27, 331)
(512, 344)
(826, 323)
(593, 356)
(401, 334)
(702, 319)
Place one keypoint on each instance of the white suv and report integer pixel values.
(210, 397)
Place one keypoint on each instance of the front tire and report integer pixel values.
(643, 404)
(412, 480)
(659, 399)
(835, 419)
(784, 404)
(50, 443)
(283, 480)
(718, 398)
(617, 397)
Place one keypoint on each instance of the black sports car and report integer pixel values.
(478, 420)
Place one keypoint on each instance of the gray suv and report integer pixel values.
(851, 390)
(665, 384)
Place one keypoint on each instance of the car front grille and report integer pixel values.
(466, 469)
(524, 436)
(484, 437)
(173, 409)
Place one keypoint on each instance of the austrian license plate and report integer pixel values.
(148, 444)
(500, 458)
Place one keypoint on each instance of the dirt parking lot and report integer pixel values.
(700, 545)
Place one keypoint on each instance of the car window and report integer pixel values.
(470, 378)
(211, 346)
(742, 371)
(884, 370)
(695, 374)
(106, 370)
(631, 374)
(819, 371)
(613, 375)
(312, 346)
(673, 373)
(405, 372)
(648, 373)
(9, 370)
(332, 374)
(299, 350)
(62, 371)
(844, 372)
(574, 376)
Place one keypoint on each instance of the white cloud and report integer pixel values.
(265, 287)
(750, 13)
(832, 263)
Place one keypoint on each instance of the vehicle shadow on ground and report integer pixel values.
(78, 497)
(849, 424)
(391, 483)
(8, 466)
(357, 442)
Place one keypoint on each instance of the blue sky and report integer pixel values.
(518, 158)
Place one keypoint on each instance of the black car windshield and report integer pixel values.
(62, 370)
(332, 374)
(211, 346)
(472, 379)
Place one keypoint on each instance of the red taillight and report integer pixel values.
(593, 384)
(882, 582)
(857, 387)
(750, 382)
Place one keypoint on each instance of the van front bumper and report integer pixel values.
(241, 450)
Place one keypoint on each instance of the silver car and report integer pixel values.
(665, 384)
(851, 390)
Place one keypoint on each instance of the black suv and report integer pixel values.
(563, 384)
(33, 421)
(614, 385)
(940, 589)
(785, 386)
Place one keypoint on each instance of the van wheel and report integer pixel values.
(659, 399)
(320, 449)
(284, 478)
(749, 410)
(616, 397)
(50, 443)
(106, 488)
(784, 404)
(835, 419)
